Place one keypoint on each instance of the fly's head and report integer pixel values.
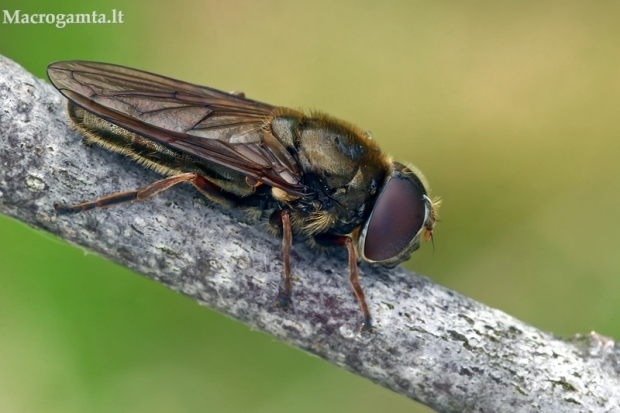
(401, 217)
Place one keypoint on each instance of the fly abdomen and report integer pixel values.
(114, 138)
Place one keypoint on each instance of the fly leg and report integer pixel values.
(282, 219)
(206, 187)
(330, 240)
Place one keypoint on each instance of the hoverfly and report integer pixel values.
(319, 178)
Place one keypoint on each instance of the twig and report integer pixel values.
(431, 344)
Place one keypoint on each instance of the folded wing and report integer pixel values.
(210, 124)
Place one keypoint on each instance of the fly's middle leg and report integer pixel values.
(282, 219)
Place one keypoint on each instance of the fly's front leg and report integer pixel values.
(282, 219)
(354, 277)
(330, 240)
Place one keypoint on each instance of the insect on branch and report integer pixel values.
(430, 344)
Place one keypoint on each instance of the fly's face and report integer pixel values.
(402, 215)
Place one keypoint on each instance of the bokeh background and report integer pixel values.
(510, 108)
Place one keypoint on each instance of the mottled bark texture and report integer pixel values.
(430, 344)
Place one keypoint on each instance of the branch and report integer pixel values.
(431, 344)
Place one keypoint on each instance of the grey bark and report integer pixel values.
(431, 344)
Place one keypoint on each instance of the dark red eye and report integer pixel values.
(396, 218)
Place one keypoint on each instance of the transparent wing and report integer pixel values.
(204, 122)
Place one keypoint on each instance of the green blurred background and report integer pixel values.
(510, 108)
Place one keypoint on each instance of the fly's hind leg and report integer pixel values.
(203, 185)
(282, 219)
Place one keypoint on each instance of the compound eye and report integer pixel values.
(396, 219)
